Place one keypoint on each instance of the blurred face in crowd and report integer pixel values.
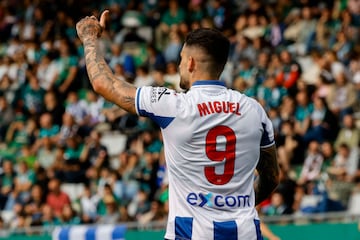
(7, 167)
(54, 186)
(72, 97)
(327, 149)
(277, 199)
(50, 100)
(285, 56)
(313, 147)
(36, 192)
(348, 121)
(46, 120)
(301, 98)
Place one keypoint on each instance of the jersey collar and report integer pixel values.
(209, 82)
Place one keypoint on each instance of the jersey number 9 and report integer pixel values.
(227, 156)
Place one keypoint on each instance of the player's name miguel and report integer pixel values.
(207, 108)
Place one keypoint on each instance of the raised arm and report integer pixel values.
(101, 77)
(268, 170)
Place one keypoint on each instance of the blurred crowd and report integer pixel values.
(300, 59)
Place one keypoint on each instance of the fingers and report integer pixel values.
(103, 18)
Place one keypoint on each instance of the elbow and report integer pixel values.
(97, 86)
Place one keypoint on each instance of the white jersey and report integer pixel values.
(212, 138)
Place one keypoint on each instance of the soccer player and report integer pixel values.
(214, 138)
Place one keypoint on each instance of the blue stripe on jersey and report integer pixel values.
(183, 228)
(163, 122)
(265, 139)
(257, 227)
(64, 233)
(209, 82)
(90, 233)
(138, 101)
(225, 230)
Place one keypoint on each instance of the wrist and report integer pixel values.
(89, 39)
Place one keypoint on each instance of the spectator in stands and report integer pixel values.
(119, 56)
(47, 71)
(68, 68)
(56, 199)
(46, 154)
(345, 164)
(155, 213)
(348, 134)
(23, 181)
(88, 205)
(34, 205)
(53, 106)
(143, 77)
(7, 115)
(301, 31)
(173, 47)
(287, 108)
(47, 129)
(73, 164)
(48, 216)
(341, 96)
(94, 153)
(290, 72)
(290, 146)
(68, 129)
(155, 59)
(174, 15)
(139, 205)
(21, 133)
(130, 170)
(108, 208)
(311, 169)
(303, 111)
(112, 215)
(242, 48)
(277, 205)
(325, 29)
(7, 178)
(269, 94)
(287, 187)
(172, 75)
(69, 216)
(342, 47)
(33, 97)
(323, 123)
(94, 105)
(77, 108)
(328, 152)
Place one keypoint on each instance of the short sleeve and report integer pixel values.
(157, 103)
(267, 138)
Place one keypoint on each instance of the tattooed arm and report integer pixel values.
(268, 170)
(101, 77)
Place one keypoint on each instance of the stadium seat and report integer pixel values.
(73, 190)
(114, 141)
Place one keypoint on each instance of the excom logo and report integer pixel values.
(219, 201)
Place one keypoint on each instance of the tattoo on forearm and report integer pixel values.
(98, 70)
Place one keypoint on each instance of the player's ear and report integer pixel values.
(191, 64)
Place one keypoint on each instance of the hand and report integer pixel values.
(89, 28)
